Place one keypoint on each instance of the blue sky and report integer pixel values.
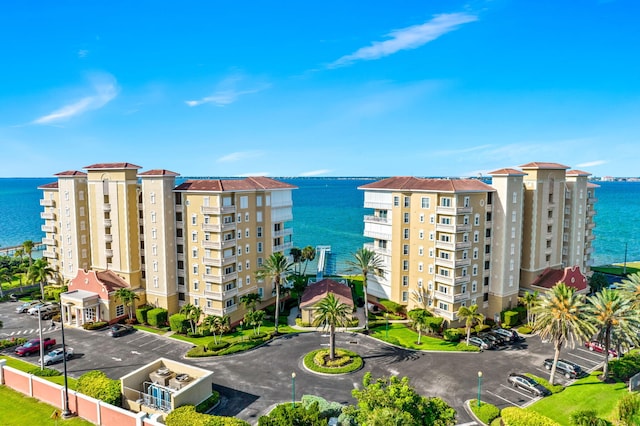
(331, 88)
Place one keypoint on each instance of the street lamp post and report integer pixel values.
(65, 412)
(386, 330)
(479, 385)
(293, 390)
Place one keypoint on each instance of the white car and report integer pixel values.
(56, 356)
(24, 307)
(34, 309)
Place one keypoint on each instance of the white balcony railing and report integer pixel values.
(48, 215)
(47, 202)
(108, 238)
(106, 207)
(377, 219)
(49, 241)
(218, 210)
(50, 254)
(48, 228)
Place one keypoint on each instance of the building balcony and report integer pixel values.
(108, 252)
(180, 257)
(179, 224)
(447, 263)
(214, 295)
(219, 245)
(231, 292)
(592, 200)
(377, 219)
(451, 316)
(281, 247)
(107, 223)
(377, 235)
(50, 254)
(51, 229)
(591, 213)
(180, 240)
(489, 207)
(462, 279)
(377, 205)
(443, 279)
(108, 238)
(441, 227)
(453, 210)
(214, 311)
(379, 250)
(218, 210)
(48, 215)
(461, 296)
(230, 309)
(210, 261)
(591, 225)
(218, 227)
(106, 207)
(181, 273)
(179, 208)
(282, 233)
(463, 262)
(219, 279)
(47, 202)
(49, 241)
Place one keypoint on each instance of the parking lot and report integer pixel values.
(253, 382)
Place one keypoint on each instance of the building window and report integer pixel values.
(425, 201)
(153, 217)
(155, 266)
(431, 236)
(431, 269)
(196, 301)
(420, 267)
(155, 282)
(258, 216)
(474, 270)
(194, 219)
(81, 195)
(152, 197)
(259, 262)
(430, 252)
(239, 218)
(445, 202)
(421, 234)
(260, 292)
(420, 251)
(405, 265)
(247, 249)
(406, 218)
(476, 237)
(259, 247)
(239, 252)
(513, 232)
(244, 202)
(196, 285)
(476, 220)
(195, 269)
(119, 310)
(474, 287)
(405, 281)
(432, 219)
(405, 296)
(246, 217)
(405, 233)
(194, 252)
(259, 232)
(239, 267)
(259, 201)
(154, 233)
(421, 217)
(247, 265)
(248, 280)
(466, 202)
(443, 306)
(513, 216)
(514, 197)
(194, 237)
(396, 201)
(405, 249)
(229, 303)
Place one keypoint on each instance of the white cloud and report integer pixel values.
(591, 163)
(105, 88)
(315, 172)
(228, 91)
(407, 38)
(239, 156)
(82, 53)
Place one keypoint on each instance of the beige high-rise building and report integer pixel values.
(199, 242)
(447, 243)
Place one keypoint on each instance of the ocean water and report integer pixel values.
(328, 211)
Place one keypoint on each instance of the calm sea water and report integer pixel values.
(329, 212)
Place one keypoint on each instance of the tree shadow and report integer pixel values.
(391, 354)
(232, 401)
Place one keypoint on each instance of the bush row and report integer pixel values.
(626, 367)
(485, 412)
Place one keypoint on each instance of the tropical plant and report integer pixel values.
(218, 326)
(255, 319)
(40, 272)
(308, 254)
(193, 314)
(560, 317)
(128, 298)
(366, 262)
(275, 268)
(299, 286)
(250, 301)
(331, 312)
(613, 314)
(27, 247)
(5, 276)
(597, 281)
(420, 318)
(529, 300)
(631, 285)
(296, 257)
(470, 315)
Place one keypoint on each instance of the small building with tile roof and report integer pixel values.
(317, 291)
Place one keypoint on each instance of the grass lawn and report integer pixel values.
(27, 366)
(237, 336)
(19, 410)
(618, 268)
(150, 329)
(401, 335)
(585, 393)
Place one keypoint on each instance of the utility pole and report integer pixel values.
(41, 342)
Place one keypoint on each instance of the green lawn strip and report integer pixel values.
(27, 366)
(618, 268)
(235, 337)
(149, 329)
(586, 393)
(401, 335)
(19, 410)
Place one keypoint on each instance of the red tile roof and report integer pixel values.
(578, 173)
(159, 172)
(246, 184)
(112, 166)
(571, 276)
(409, 183)
(543, 165)
(71, 173)
(507, 171)
(592, 185)
(319, 290)
(52, 185)
(111, 280)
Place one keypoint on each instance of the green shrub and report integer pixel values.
(327, 409)
(434, 324)
(301, 323)
(624, 368)
(546, 384)
(355, 361)
(194, 335)
(141, 313)
(157, 317)
(525, 329)
(208, 403)
(97, 325)
(290, 414)
(516, 416)
(187, 415)
(179, 323)
(485, 412)
(463, 347)
(96, 384)
(587, 418)
(628, 407)
(46, 372)
(260, 336)
(14, 341)
(481, 327)
(212, 346)
(392, 306)
(522, 313)
(511, 318)
(353, 322)
(452, 335)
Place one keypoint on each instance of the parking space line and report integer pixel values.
(516, 390)
(148, 343)
(585, 359)
(504, 399)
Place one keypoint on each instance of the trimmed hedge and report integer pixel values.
(452, 335)
(515, 416)
(157, 317)
(46, 372)
(14, 341)
(327, 409)
(94, 325)
(525, 329)
(141, 313)
(96, 384)
(485, 412)
(511, 318)
(212, 346)
(301, 323)
(208, 403)
(353, 361)
(179, 323)
(624, 368)
(392, 306)
(187, 415)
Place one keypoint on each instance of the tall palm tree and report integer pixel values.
(470, 315)
(613, 313)
(308, 254)
(561, 318)
(296, 256)
(275, 268)
(192, 313)
(529, 300)
(5, 276)
(128, 298)
(217, 325)
(250, 301)
(27, 247)
(419, 318)
(631, 285)
(19, 253)
(331, 312)
(40, 272)
(366, 262)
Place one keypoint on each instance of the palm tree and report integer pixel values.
(631, 286)
(299, 286)
(40, 272)
(419, 318)
(308, 254)
(331, 312)
(560, 317)
(470, 315)
(27, 247)
(128, 298)
(216, 324)
(250, 301)
(254, 319)
(612, 313)
(274, 268)
(193, 314)
(365, 262)
(5, 276)
(296, 256)
(529, 300)
(19, 253)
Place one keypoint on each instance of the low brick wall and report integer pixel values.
(91, 409)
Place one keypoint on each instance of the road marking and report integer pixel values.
(116, 359)
(135, 352)
(585, 359)
(394, 372)
(504, 399)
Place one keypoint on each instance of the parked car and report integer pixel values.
(596, 346)
(569, 369)
(480, 342)
(34, 309)
(33, 346)
(511, 336)
(56, 356)
(117, 330)
(24, 307)
(495, 338)
(49, 311)
(523, 382)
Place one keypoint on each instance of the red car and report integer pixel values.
(596, 346)
(33, 346)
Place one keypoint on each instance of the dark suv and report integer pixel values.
(569, 369)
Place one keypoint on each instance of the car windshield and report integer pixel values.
(29, 344)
